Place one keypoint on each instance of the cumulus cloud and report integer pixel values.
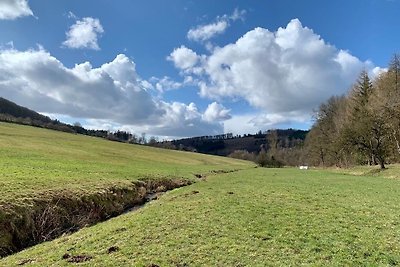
(12, 9)
(216, 112)
(84, 34)
(112, 93)
(282, 74)
(205, 32)
(184, 120)
(290, 70)
(184, 58)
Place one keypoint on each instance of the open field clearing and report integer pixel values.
(52, 181)
(254, 217)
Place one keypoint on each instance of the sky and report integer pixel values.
(189, 68)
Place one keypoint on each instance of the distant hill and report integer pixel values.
(225, 144)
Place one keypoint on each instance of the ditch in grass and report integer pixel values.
(255, 217)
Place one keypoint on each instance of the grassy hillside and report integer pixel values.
(36, 160)
(254, 217)
(47, 175)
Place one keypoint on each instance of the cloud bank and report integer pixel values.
(290, 71)
(112, 92)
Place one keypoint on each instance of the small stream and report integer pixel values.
(148, 198)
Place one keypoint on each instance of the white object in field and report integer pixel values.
(303, 167)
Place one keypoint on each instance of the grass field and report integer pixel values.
(51, 181)
(256, 217)
(250, 217)
(37, 161)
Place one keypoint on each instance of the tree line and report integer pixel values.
(278, 148)
(362, 127)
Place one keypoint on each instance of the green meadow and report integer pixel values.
(249, 217)
(38, 161)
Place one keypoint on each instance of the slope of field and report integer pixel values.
(42, 170)
(254, 217)
(37, 160)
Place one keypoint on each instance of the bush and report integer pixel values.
(263, 160)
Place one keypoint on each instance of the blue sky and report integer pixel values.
(182, 68)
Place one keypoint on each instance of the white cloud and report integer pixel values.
(84, 34)
(205, 32)
(112, 94)
(375, 72)
(184, 58)
(283, 75)
(165, 84)
(290, 70)
(276, 120)
(216, 112)
(238, 14)
(184, 120)
(12, 9)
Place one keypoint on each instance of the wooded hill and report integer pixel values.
(11, 112)
(226, 144)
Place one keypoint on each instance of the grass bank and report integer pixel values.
(52, 181)
(254, 217)
(392, 171)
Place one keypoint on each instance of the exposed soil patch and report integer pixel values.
(23, 262)
(194, 192)
(66, 256)
(49, 218)
(112, 249)
(223, 171)
(79, 258)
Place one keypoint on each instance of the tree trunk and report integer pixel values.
(381, 162)
(397, 141)
(322, 157)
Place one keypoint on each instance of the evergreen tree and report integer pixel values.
(366, 130)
